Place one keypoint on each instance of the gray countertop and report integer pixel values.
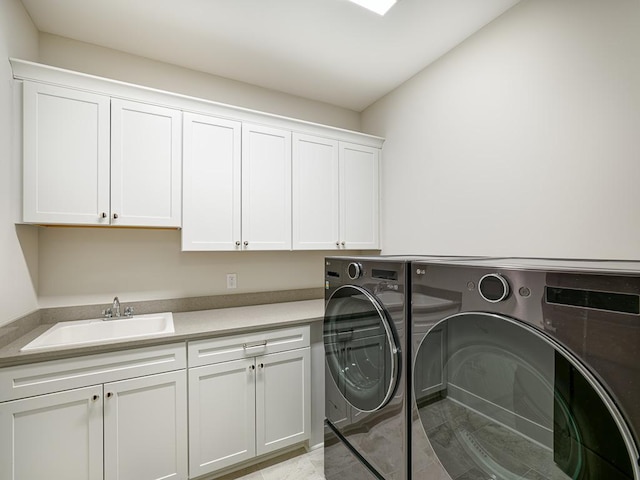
(188, 326)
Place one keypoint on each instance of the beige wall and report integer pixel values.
(83, 57)
(521, 141)
(18, 245)
(81, 266)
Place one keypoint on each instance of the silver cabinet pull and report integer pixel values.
(252, 367)
(261, 365)
(342, 243)
(337, 244)
(103, 215)
(261, 344)
(238, 243)
(246, 243)
(110, 394)
(95, 397)
(115, 215)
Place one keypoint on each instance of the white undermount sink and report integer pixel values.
(98, 330)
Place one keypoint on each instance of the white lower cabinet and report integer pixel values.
(145, 428)
(221, 415)
(248, 395)
(282, 400)
(131, 429)
(131, 416)
(52, 436)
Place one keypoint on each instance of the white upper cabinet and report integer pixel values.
(93, 160)
(335, 194)
(237, 185)
(146, 153)
(266, 188)
(211, 180)
(316, 197)
(104, 153)
(359, 197)
(66, 156)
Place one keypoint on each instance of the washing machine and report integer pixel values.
(365, 341)
(525, 369)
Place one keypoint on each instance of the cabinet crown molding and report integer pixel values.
(36, 72)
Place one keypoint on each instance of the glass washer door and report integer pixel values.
(517, 405)
(360, 348)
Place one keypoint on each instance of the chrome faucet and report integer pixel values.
(115, 308)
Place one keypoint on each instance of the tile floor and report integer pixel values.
(296, 465)
(510, 452)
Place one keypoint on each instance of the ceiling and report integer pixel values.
(327, 50)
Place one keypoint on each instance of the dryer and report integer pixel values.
(365, 340)
(525, 369)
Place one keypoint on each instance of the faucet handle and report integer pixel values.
(128, 312)
(107, 313)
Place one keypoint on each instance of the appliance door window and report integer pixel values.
(361, 352)
(515, 404)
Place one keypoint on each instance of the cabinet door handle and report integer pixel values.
(103, 215)
(337, 244)
(246, 243)
(261, 365)
(110, 394)
(95, 397)
(238, 243)
(252, 367)
(342, 243)
(115, 215)
(247, 346)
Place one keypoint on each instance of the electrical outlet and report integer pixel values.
(232, 280)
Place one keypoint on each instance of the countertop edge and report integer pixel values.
(189, 326)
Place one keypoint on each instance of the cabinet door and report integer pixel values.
(266, 188)
(315, 173)
(211, 180)
(145, 428)
(146, 167)
(359, 196)
(221, 415)
(52, 436)
(66, 156)
(282, 400)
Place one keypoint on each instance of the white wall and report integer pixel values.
(84, 57)
(86, 266)
(521, 141)
(82, 266)
(18, 245)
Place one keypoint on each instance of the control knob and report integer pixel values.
(354, 270)
(493, 287)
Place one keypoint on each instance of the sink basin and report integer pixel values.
(98, 330)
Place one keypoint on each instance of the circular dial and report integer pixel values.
(493, 287)
(354, 270)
